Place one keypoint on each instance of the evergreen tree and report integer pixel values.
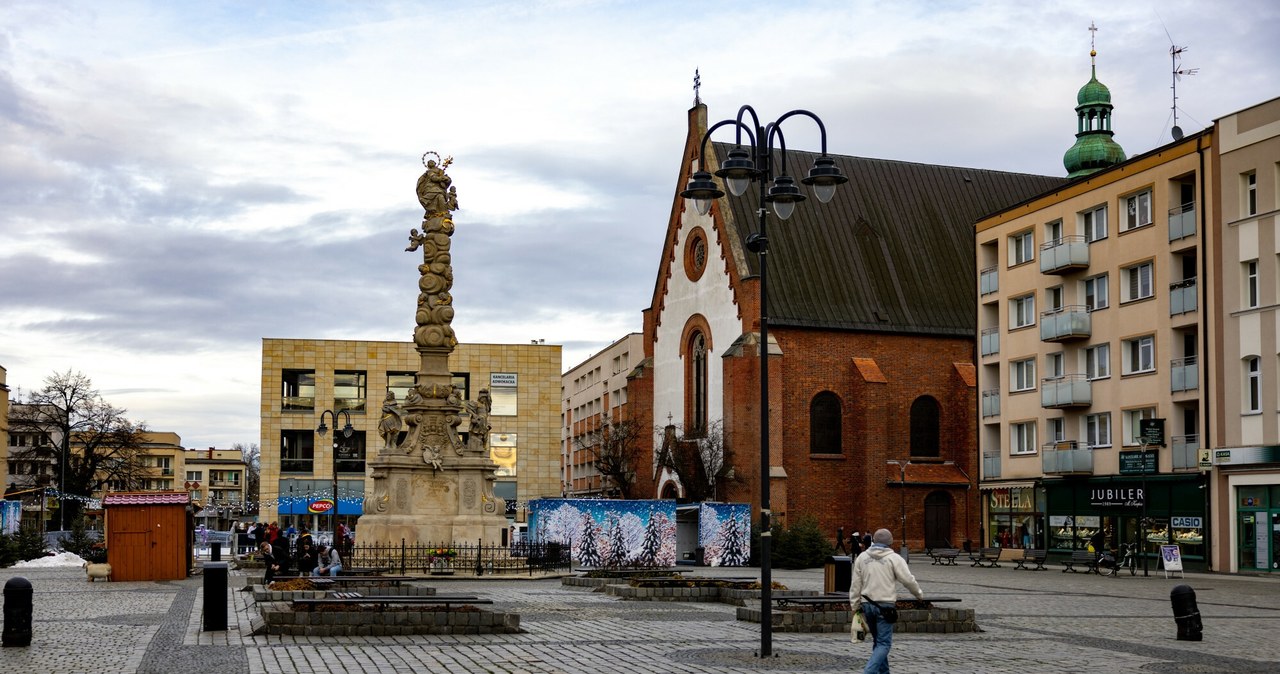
(617, 544)
(735, 544)
(30, 543)
(652, 543)
(588, 555)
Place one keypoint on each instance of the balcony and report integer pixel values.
(990, 465)
(991, 403)
(225, 483)
(298, 404)
(1065, 324)
(1064, 255)
(1184, 374)
(166, 472)
(1069, 390)
(1182, 297)
(1067, 457)
(1186, 451)
(1182, 221)
(990, 341)
(988, 281)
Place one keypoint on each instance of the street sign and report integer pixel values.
(1142, 462)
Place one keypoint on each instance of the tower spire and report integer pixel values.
(1094, 148)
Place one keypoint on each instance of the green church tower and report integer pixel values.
(1094, 149)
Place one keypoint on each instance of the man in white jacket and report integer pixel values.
(876, 574)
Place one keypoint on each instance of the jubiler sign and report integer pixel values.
(1100, 497)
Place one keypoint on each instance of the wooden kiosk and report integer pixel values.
(148, 535)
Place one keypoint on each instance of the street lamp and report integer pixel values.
(745, 164)
(347, 431)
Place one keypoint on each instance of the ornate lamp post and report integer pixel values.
(347, 431)
(753, 162)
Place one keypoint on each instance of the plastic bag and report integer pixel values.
(859, 629)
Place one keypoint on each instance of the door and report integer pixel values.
(937, 521)
(130, 547)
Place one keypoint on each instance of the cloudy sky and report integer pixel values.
(179, 180)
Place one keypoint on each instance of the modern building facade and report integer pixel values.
(595, 395)
(302, 379)
(1246, 289)
(1092, 319)
(870, 343)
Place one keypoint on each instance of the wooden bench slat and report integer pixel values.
(1089, 560)
(986, 557)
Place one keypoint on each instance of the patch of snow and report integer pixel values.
(59, 560)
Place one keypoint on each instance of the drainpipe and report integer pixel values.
(1202, 356)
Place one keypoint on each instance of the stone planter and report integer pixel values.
(932, 620)
(280, 618)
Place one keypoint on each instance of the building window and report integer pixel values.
(1095, 293)
(695, 254)
(349, 391)
(1252, 385)
(195, 475)
(1053, 297)
(1054, 365)
(503, 387)
(297, 451)
(1137, 282)
(924, 427)
(1133, 425)
(1140, 355)
(1022, 438)
(349, 453)
(1021, 248)
(503, 450)
(1251, 193)
(1053, 231)
(1137, 210)
(1022, 311)
(1055, 429)
(399, 383)
(1097, 430)
(299, 390)
(1250, 284)
(825, 424)
(1097, 361)
(1094, 223)
(1022, 375)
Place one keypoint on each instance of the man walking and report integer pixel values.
(874, 591)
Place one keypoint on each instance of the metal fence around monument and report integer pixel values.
(441, 558)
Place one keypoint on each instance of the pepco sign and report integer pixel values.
(323, 505)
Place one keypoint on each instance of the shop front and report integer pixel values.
(1013, 516)
(1112, 512)
(310, 503)
(1250, 478)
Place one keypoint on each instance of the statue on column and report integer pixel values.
(435, 304)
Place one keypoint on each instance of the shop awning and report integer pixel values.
(1019, 484)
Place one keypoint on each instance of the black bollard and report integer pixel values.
(215, 597)
(215, 552)
(1186, 613)
(18, 597)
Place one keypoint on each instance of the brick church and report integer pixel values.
(872, 398)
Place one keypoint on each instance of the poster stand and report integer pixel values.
(1171, 559)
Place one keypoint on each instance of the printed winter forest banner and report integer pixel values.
(724, 533)
(608, 533)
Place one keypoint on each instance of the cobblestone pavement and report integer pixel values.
(1037, 621)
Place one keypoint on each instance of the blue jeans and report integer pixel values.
(882, 639)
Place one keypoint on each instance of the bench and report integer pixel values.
(944, 556)
(1035, 557)
(827, 602)
(1083, 558)
(989, 557)
(319, 581)
(383, 602)
(628, 573)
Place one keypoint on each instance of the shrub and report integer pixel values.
(29, 543)
(803, 546)
(8, 550)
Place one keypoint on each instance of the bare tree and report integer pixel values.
(96, 442)
(700, 458)
(614, 452)
(252, 475)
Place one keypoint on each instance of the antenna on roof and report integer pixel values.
(1175, 56)
(697, 84)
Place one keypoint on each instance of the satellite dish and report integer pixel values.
(1177, 132)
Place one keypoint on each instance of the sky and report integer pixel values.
(179, 180)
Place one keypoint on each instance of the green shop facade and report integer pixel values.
(1065, 514)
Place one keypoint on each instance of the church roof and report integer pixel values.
(893, 251)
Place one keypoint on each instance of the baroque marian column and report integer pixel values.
(430, 484)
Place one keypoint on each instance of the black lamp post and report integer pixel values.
(347, 430)
(745, 164)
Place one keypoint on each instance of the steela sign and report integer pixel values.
(322, 505)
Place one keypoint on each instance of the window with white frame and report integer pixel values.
(1021, 248)
(1252, 385)
(1250, 269)
(1053, 297)
(1022, 438)
(1094, 223)
(1137, 210)
(1055, 430)
(1095, 292)
(1022, 311)
(1133, 426)
(1251, 193)
(1097, 361)
(1053, 231)
(1054, 365)
(1097, 430)
(1138, 282)
(1022, 375)
(1140, 354)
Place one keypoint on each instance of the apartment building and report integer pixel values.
(304, 381)
(1092, 320)
(216, 481)
(594, 396)
(1246, 289)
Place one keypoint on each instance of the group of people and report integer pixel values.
(311, 558)
(873, 591)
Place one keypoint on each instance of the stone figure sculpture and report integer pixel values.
(391, 423)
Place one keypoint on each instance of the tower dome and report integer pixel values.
(1094, 148)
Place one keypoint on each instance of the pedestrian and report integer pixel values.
(340, 536)
(874, 591)
(304, 538)
(330, 562)
(267, 554)
(855, 544)
(308, 559)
